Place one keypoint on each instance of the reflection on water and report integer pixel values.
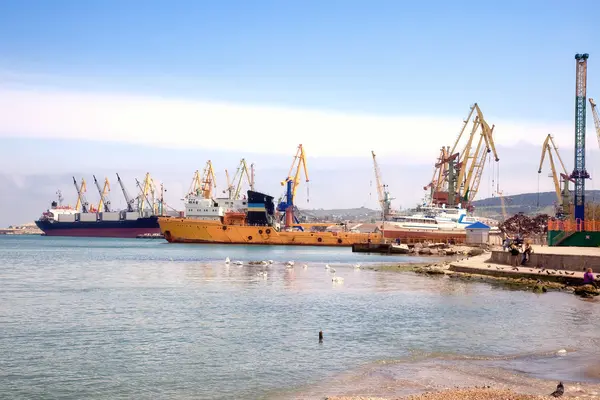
(109, 318)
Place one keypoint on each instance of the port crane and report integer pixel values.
(128, 199)
(233, 190)
(596, 118)
(81, 200)
(147, 194)
(561, 178)
(459, 168)
(104, 204)
(203, 185)
(385, 201)
(579, 172)
(291, 184)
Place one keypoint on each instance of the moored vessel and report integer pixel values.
(85, 220)
(256, 224)
(439, 224)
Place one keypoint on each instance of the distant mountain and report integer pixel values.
(527, 203)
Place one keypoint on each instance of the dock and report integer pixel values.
(563, 265)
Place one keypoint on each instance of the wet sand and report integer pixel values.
(458, 394)
(444, 380)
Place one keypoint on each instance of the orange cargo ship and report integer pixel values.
(256, 226)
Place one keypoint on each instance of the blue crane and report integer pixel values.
(579, 173)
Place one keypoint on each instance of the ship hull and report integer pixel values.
(181, 230)
(110, 229)
(415, 236)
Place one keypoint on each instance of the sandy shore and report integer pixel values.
(458, 394)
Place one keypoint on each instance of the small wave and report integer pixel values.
(420, 355)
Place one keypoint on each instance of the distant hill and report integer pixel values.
(527, 203)
(361, 214)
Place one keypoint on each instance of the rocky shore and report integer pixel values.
(472, 264)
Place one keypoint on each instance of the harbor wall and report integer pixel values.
(552, 261)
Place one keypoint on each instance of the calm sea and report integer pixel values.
(106, 319)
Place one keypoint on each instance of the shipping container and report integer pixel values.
(132, 215)
(66, 217)
(110, 216)
(88, 217)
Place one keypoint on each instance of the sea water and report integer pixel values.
(116, 318)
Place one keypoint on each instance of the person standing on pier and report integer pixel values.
(514, 255)
(526, 253)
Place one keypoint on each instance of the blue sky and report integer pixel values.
(375, 56)
(228, 79)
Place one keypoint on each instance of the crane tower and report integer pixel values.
(579, 172)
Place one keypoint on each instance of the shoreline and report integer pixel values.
(447, 378)
(479, 269)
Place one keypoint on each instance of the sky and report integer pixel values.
(98, 85)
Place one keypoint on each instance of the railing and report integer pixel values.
(574, 226)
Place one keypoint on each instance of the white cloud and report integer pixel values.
(246, 128)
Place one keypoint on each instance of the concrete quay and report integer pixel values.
(556, 258)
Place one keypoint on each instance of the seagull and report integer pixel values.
(290, 264)
(560, 390)
(337, 279)
(238, 262)
(326, 266)
(305, 266)
(227, 260)
(357, 266)
(270, 261)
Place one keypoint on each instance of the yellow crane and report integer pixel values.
(596, 119)
(385, 201)
(82, 203)
(104, 204)
(234, 189)
(457, 175)
(203, 184)
(562, 194)
(299, 163)
(147, 194)
(209, 181)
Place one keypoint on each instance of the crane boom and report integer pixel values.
(104, 203)
(81, 200)
(146, 190)
(457, 175)
(382, 193)
(130, 202)
(558, 178)
(209, 181)
(596, 119)
(299, 163)
(234, 186)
